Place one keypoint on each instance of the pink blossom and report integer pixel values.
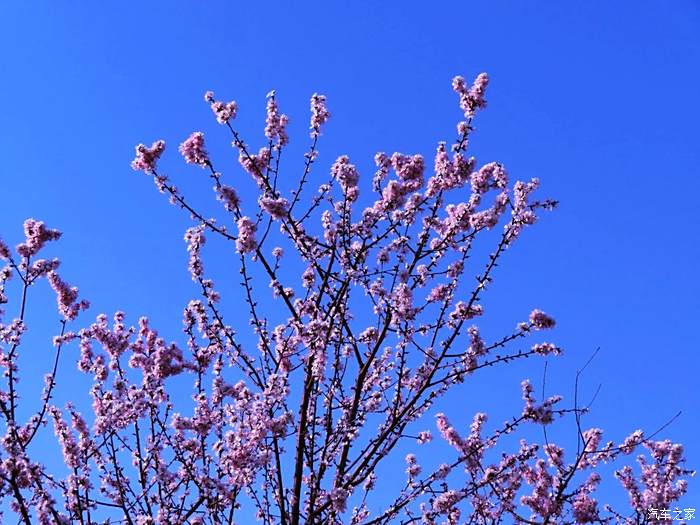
(490, 175)
(256, 165)
(66, 297)
(195, 240)
(464, 311)
(541, 321)
(585, 509)
(193, 149)
(475, 350)
(383, 163)
(446, 501)
(413, 469)
(471, 99)
(146, 158)
(403, 303)
(229, 197)
(546, 349)
(37, 235)
(276, 124)
(449, 433)
(338, 497)
(424, 436)
(4, 250)
(319, 114)
(71, 452)
(246, 235)
(224, 111)
(449, 174)
(346, 174)
(632, 441)
(409, 169)
(276, 207)
(543, 413)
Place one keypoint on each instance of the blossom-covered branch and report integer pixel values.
(295, 410)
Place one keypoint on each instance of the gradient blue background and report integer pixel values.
(598, 99)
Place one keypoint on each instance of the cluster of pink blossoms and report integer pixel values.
(246, 235)
(277, 208)
(37, 235)
(276, 123)
(541, 320)
(347, 176)
(193, 149)
(146, 158)
(224, 111)
(67, 297)
(319, 114)
(471, 98)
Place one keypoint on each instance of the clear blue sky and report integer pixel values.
(598, 99)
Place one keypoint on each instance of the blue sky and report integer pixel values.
(597, 99)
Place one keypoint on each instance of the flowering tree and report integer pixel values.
(294, 427)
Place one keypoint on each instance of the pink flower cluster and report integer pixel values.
(256, 165)
(276, 123)
(194, 237)
(471, 98)
(192, 149)
(246, 235)
(449, 174)
(146, 158)
(36, 236)
(347, 176)
(4, 250)
(229, 197)
(224, 111)
(277, 208)
(319, 114)
(66, 297)
(541, 321)
(542, 413)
